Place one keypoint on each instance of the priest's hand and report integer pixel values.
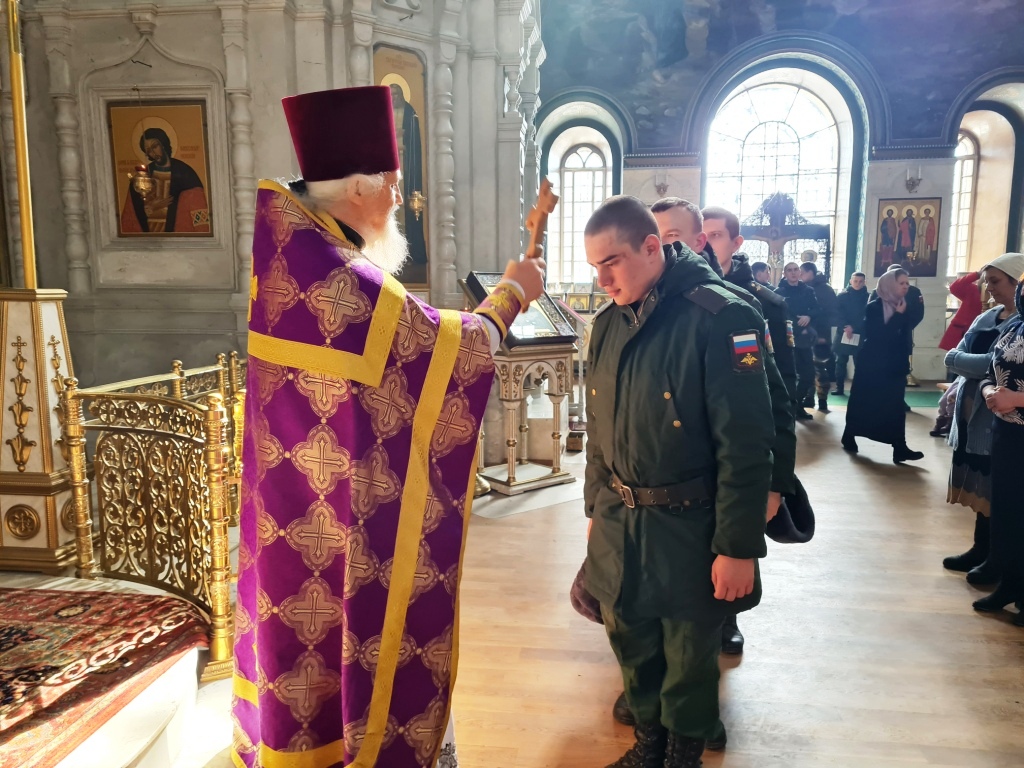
(732, 578)
(774, 502)
(529, 273)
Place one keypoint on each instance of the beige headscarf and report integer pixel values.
(887, 292)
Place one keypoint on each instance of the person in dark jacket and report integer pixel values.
(828, 305)
(679, 467)
(876, 398)
(914, 313)
(762, 274)
(851, 304)
(680, 221)
(803, 311)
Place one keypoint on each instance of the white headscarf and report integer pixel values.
(887, 292)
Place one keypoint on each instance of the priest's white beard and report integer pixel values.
(388, 249)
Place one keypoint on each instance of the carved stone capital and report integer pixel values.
(144, 17)
(412, 6)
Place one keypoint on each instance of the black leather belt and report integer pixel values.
(692, 493)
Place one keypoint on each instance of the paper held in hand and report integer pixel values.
(850, 339)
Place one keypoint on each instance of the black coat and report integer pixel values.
(876, 409)
(828, 307)
(851, 305)
(801, 300)
(914, 313)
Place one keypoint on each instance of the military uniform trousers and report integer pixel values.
(805, 373)
(824, 366)
(669, 669)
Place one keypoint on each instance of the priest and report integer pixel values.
(362, 416)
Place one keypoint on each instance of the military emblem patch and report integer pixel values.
(768, 340)
(789, 334)
(746, 354)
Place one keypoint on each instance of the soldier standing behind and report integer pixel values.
(679, 467)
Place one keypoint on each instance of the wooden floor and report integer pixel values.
(863, 653)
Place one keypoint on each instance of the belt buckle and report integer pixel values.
(626, 494)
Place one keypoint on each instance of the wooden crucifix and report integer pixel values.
(537, 220)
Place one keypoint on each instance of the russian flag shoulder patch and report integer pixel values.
(746, 352)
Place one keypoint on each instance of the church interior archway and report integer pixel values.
(788, 130)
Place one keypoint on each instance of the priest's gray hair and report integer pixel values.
(322, 195)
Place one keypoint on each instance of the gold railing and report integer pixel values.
(226, 378)
(161, 474)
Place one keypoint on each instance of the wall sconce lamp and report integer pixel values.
(913, 182)
(661, 183)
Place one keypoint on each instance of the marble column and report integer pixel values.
(234, 21)
(57, 29)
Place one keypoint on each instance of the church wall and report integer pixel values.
(135, 305)
(887, 180)
(679, 182)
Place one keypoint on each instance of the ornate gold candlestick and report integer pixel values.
(37, 526)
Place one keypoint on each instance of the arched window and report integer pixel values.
(579, 165)
(965, 182)
(789, 131)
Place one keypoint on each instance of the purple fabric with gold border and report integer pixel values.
(363, 410)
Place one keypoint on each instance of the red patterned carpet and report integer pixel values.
(70, 660)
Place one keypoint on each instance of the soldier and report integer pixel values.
(679, 466)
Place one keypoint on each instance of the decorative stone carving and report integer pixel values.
(233, 15)
(57, 28)
(144, 17)
(360, 29)
(414, 6)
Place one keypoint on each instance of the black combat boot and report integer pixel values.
(732, 638)
(977, 554)
(621, 712)
(683, 752)
(823, 405)
(649, 750)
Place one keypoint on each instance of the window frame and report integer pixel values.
(565, 253)
(957, 205)
(792, 249)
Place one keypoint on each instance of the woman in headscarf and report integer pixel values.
(1003, 391)
(971, 428)
(876, 408)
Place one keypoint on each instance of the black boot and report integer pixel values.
(808, 401)
(803, 415)
(974, 556)
(823, 405)
(839, 391)
(1005, 594)
(649, 750)
(732, 638)
(849, 442)
(985, 575)
(621, 712)
(901, 453)
(683, 752)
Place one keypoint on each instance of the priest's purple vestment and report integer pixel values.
(363, 409)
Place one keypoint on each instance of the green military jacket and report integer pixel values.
(677, 393)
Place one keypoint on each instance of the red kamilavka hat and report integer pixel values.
(344, 131)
